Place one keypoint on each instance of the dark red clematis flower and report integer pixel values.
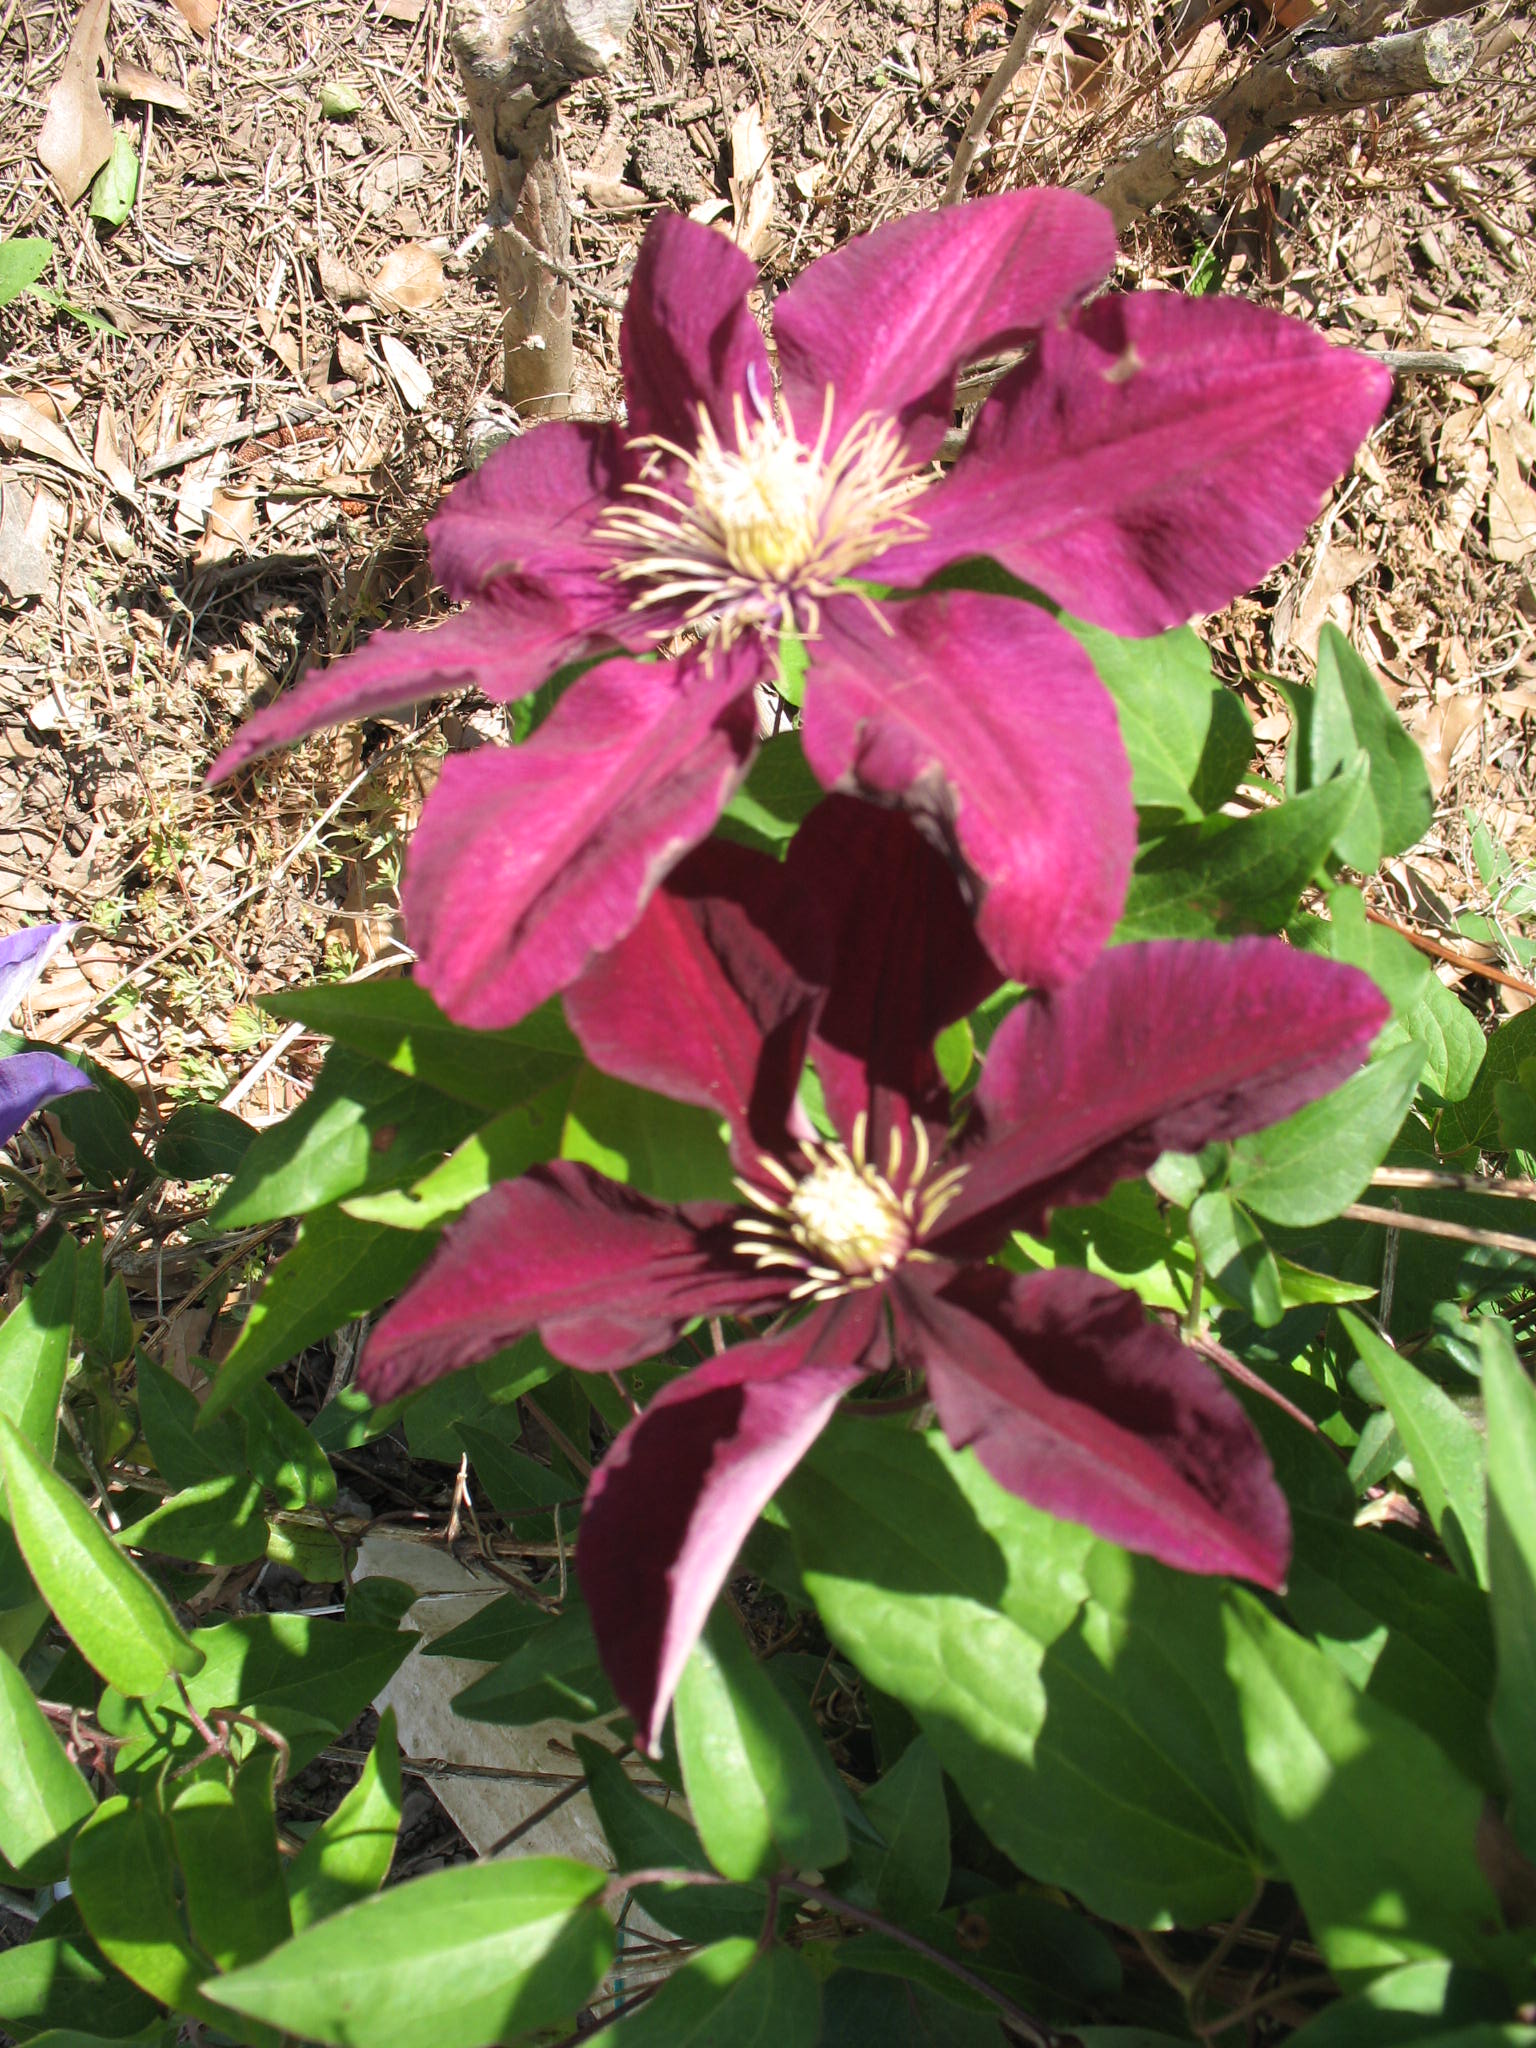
(856, 953)
(1152, 457)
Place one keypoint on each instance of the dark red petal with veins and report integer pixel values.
(1160, 1047)
(889, 319)
(606, 1275)
(530, 860)
(986, 721)
(688, 338)
(887, 913)
(1153, 459)
(699, 1002)
(673, 1500)
(1077, 1404)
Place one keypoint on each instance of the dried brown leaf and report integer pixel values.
(76, 136)
(1511, 501)
(129, 82)
(21, 427)
(199, 15)
(411, 378)
(108, 453)
(410, 276)
(230, 530)
(751, 183)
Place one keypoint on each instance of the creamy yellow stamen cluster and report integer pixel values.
(755, 536)
(843, 1223)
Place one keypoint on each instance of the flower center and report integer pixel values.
(843, 1223)
(756, 535)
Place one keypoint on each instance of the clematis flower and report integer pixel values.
(1151, 458)
(30, 1079)
(876, 1241)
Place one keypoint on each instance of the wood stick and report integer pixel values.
(1031, 21)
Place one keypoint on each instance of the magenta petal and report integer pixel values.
(893, 928)
(525, 520)
(1077, 1404)
(529, 860)
(671, 1503)
(606, 1275)
(890, 318)
(1153, 459)
(688, 337)
(986, 720)
(506, 652)
(1160, 1047)
(699, 1002)
(28, 1080)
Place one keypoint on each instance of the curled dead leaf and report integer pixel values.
(411, 378)
(199, 15)
(76, 136)
(410, 277)
(129, 82)
(751, 183)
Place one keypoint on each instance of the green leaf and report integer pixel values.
(1511, 1404)
(1444, 1443)
(340, 102)
(339, 1269)
(98, 1122)
(670, 1150)
(495, 1630)
(1420, 2003)
(1349, 712)
(199, 1142)
(281, 1454)
(360, 1127)
(1237, 1260)
(865, 2011)
(554, 1673)
(1398, 969)
(117, 183)
(1452, 1039)
(96, 322)
(907, 1874)
(759, 1799)
(43, 1798)
(315, 1554)
(185, 1453)
(469, 1955)
(645, 1834)
(1475, 1121)
(59, 1978)
(1104, 1758)
(124, 1881)
(504, 1149)
(218, 1521)
(1180, 727)
(514, 1483)
(1373, 1824)
(348, 1856)
(117, 1620)
(306, 1677)
(397, 1025)
(225, 1838)
(779, 792)
(34, 1351)
(1315, 1163)
(23, 259)
(1232, 875)
(728, 1996)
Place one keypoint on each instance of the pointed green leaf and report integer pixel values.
(218, 1521)
(123, 1879)
(1174, 717)
(1475, 1121)
(43, 1798)
(502, 1150)
(1512, 1566)
(225, 1838)
(1308, 1168)
(117, 1620)
(1445, 1444)
(671, 1150)
(908, 1874)
(34, 1350)
(23, 259)
(199, 1142)
(757, 1792)
(185, 1453)
(728, 1996)
(484, 1952)
(1349, 712)
(348, 1856)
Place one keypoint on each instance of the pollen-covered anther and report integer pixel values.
(843, 1222)
(756, 535)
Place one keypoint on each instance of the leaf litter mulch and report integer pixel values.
(262, 347)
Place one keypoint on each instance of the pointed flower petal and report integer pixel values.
(986, 720)
(1158, 1047)
(529, 860)
(28, 1080)
(672, 1502)
(699, 1002)
(607, 1276)
(1153, 459)
(23, 956)
(688, 337)
(1077, 1404)
(889, 319)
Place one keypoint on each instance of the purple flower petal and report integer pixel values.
(987, 721)
(23, 956)
(901, 961)
(688, 337)
(1077, 1404)
(607, 1277)
(671, 1503)
(521, 525)
(1158, 1047)
(699, 1002)
(1152, 459)
(889, 319)
(30, 1079)
(506, 651)
(529, 860)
